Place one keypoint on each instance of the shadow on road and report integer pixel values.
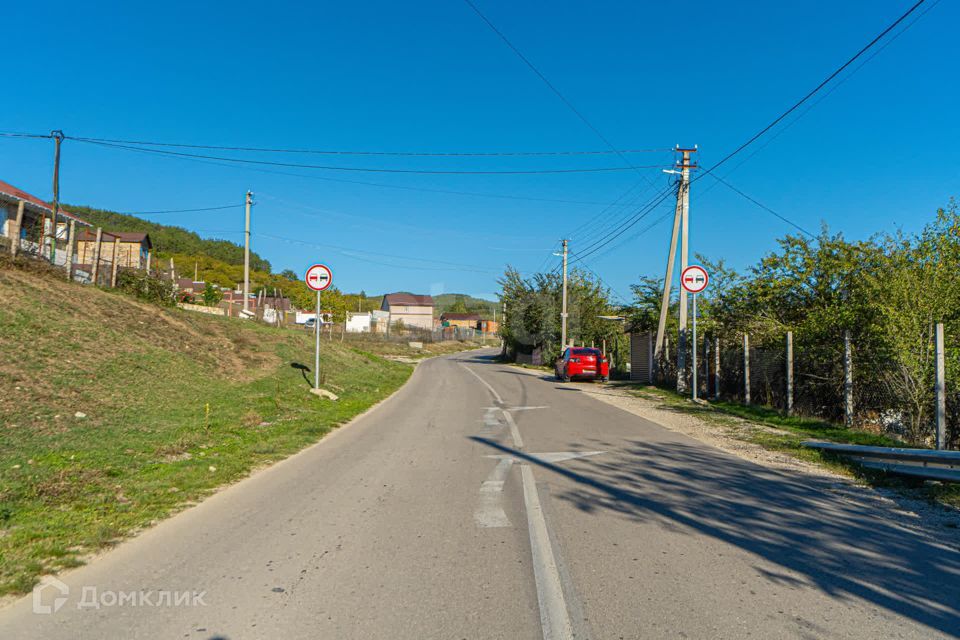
(838, 545)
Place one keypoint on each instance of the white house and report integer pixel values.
(409, 309)
(358, 323)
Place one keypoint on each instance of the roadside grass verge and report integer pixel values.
(775, 431)
(117, 414)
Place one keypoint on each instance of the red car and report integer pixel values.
(582, 362)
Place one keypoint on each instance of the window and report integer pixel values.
(587, 352)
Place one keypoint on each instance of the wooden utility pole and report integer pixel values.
(70, 249)
(95, 269)
(716, 368)
(789, 373)
(847, 380)
(57, 139)
(15, 232)
(941, 390)
(746, 369)
(116, 256)
(246, 255)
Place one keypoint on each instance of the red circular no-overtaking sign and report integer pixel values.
(694, 279)
(319, 277)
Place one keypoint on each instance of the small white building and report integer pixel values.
(358, 323)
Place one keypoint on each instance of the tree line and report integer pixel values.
(888, 292)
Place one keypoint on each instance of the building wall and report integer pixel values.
(466, 324)
(412, 316)
(129, 254)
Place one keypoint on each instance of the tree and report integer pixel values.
(212, 295)
(289, 274)
(458, 306)
(533, 312)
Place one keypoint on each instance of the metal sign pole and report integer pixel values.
(316, 356)
(694, 380)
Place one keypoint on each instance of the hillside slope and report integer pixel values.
(116, 413)
(169, 239)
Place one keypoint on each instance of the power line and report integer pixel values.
(809, 95)
(547, 82)
(636, 235)
(450, 266)
(608, 225)
(626, 225)
(615, 293)
(762, 206)
(809, 108)
(369, 169)
(345, 152)
(145, 213)
(458, 192)
(16, 134)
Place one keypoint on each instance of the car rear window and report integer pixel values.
(586, 352)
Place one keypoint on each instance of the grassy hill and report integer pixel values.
(116, 413)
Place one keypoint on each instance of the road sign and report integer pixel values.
(319, 277)
(694, 279)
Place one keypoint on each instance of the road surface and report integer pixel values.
(484, 501)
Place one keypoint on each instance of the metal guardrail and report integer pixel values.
(919, 463)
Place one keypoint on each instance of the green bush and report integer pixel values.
(146, 287)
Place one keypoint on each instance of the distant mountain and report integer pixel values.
(169, 239)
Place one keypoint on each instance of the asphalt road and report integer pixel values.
(482, 501)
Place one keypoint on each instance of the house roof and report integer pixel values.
(459, 316)
(408, 299)
(125, 236)
(11, 191)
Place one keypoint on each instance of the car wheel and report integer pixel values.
(566, 378)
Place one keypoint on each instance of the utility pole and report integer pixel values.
(57, 139)
(246, 257)
(563, 313)
(680, 232)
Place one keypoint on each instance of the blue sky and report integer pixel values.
(879, 153)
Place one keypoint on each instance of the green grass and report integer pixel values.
(176, 405)
(787, 433)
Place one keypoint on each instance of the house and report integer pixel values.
(132, 247)
(462, 320)
(191, 286)
(234, 300)
(409, 310)
(37, 216)
(358, 322)
(488, 326)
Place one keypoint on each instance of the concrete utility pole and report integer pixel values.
(563, 313)
(680, 231)
(246, 257)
